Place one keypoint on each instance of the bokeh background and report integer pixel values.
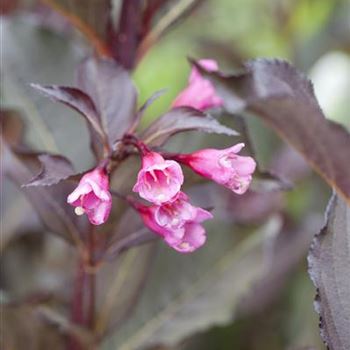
(314, 35)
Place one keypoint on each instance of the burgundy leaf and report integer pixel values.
(329, 266)
(54, 168)
(112, 92)
(276, 92)
(180, 120)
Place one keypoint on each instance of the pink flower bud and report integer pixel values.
(178, 222)
(92, 197)
(200, 92)
(222, 166)
(159, 180)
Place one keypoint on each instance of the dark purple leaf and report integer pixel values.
(75, 99)
(149, 101)
(82, 103)
(276, 92)
(329, 266)
(143, 108)
(49, 202)
(180, 120)
(54, 168)
(290, 164)
(113, 93)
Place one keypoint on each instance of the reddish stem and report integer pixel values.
(92, 282)
(181, 158)
(125, 41)
(84, 293)
(77, 306)
(133, 140)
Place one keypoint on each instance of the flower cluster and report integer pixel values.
(170, 215)
(177, 222)
(159, 181)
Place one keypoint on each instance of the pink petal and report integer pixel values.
(81, 190)
(193, 239)
(99, 215)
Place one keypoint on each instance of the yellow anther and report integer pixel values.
(185, 245)
(79, 211)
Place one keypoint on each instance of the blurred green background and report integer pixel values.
(312, 34)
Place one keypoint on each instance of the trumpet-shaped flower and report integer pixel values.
(224, 166)
(92, 197)
(177, 222)
(200, 92)
(159, 180)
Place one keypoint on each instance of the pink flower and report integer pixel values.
(222, 166)
(159, 180)
(178, 222)
(92, 197)
(200, 92)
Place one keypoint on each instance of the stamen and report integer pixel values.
(79, 211)
(153, 175)
(167, 176)
(148, 185)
